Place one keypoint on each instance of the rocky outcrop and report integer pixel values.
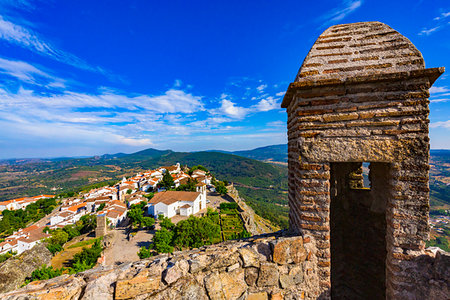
(261, 267)
(14, 271)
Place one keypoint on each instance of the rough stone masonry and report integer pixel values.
(361, 96)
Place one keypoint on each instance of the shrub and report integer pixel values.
(145, 252)
(44, 273)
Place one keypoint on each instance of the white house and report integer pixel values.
(60, 217)
(30, 240)
(171, 203)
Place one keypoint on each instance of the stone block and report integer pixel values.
(257, 296)
(249, 257)
(138, 285)
(289, 251)
(268, 275)
(251, 275)
(221, 286)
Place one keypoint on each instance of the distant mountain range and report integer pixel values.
(263, 185)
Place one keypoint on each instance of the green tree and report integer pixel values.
(196, 232)
(100, 207)
(87, 258)
(87, 223)
(221, 188)
(162, 241)
(167, 180)
(59, 237)
(189, 186)
(71, 230)
(144, 252)
(165, 222)
(148, 222)
(129, 191)
(136, 216)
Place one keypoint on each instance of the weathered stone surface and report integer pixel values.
(251, 275)
(175, 270)
(249, 257)
(138, 285)
(286, 281)
(186, 288)
(101, 287)
(233, 267)
(225, 285)
(66, 287)
(268, 275)
(289, 250)
(14, 271)
(257, 296)
(296, 274)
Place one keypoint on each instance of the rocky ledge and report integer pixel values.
(273, 266)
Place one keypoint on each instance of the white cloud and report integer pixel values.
(443, 124)
(440, 100)
(261, 88)
(439, 89)
(429, 31)
(230, 109)
(442, 16)
(27, 73)
(266, 104)
(337, 14)
(26, 38)
(280, 94)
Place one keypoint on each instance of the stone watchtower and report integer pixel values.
(361, 96)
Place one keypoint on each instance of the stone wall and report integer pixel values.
(274, 266)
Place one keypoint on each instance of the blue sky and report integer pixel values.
(93, 77)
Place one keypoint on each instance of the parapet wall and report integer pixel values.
(262, 267)
(273, 266)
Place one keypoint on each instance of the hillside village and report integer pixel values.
(114, 203)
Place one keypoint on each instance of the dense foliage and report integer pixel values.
(137, 218)
(191, 233)
(87, 258)
(59, 237)
(167, 181)
(45, 272)
(15, 219)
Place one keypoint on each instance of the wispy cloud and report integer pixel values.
(261, 88)
(339, 13)
(440, 100)
(426, 31)
(30, 40)
(442, 124)
(439, 23)
(442, 16)
(28, 73)
(439, 89)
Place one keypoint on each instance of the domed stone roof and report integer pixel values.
(359, 49)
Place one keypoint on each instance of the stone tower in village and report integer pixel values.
(361, 95)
